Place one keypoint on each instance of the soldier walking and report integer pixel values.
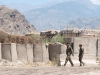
(69, 52)
(81, 53)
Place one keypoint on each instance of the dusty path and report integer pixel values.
(90, 68)
(86, 70)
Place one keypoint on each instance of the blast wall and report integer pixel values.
(89, 45)
(6, 51)
(24, 52)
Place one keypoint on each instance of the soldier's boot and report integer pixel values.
(83, 63)
(72, 65)
(80, 63)
(71, 62)
(65, 62)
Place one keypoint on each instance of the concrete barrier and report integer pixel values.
(92, 46)
(55, 49)
(14, 52)
(89, 45)
(0, 52)
(6, 52)
(30, 52)
(63, 49)
(41, 53)
(38, 53)
(63, 57)
(45, 53)
(98, 50)
(57, 60)
(22, 52)
(26, 52)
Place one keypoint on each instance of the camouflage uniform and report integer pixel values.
(69, 52)
(81, 52)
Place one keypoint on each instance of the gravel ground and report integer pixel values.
(62, 70)
(21, 68)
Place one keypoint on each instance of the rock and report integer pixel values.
(13, 22)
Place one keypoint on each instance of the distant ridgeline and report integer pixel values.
(12, 22)
(71, 13)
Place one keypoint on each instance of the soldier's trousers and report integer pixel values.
(68, 58)
(80, 59)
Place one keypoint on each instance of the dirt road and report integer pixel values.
(86, 70)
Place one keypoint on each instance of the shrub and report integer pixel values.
(3, 36)
(7, 38)
(57, 38)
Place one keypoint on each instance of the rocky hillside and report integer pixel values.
(12, 22)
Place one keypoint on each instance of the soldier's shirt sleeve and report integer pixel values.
(83, 50)
(72, 51)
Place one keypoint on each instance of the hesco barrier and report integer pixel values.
(89, 45)
(45, 53)
(25, 52)
(98, 50)
(55, 49)
(29, 52)
(91, 48)
(6, 51)
(52, 52)
(22, 52)
(0, 52)
(14, 52)
(40, 53)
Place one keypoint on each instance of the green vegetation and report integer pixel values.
(37, 38)
(7, 38)
(34, 38)
(55, 39)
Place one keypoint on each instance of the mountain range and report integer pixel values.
(13, 22)
(70, 13)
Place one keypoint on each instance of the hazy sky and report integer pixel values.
(33, 2)
(38, 2)
(95, 1)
